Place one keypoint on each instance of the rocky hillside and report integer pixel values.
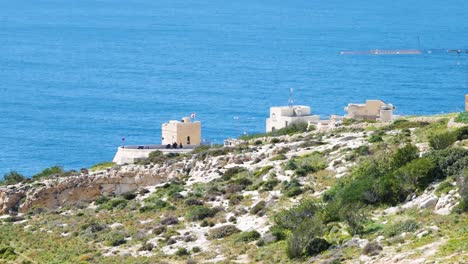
(363, 193)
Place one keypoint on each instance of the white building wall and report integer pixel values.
(283, 116)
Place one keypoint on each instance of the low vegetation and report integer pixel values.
(277, 200)
(289, 130)
(102, 166)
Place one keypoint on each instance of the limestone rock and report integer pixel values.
(429, 202)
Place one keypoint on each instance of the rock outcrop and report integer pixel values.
(52, 193)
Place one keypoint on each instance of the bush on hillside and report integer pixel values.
(462, 182)
(102, 166)
(231, 172)
(200, 212)
(292, 188)
(400, 227)
(449, 162)
(223, 231)
(269, 184)
(258, 208)
(386, 179)
(54, 170)
(115, 239)
(301, 241)
(406, 124)
(248, 236)
(291, 218)
(306, 164)
(376, 137)
(8, 254)
(419, 173)
(182, 252)
(154, 204)
(442, 140)
(404, 155)
(462, 118)
(289, 130)
(316, 246)
(117, 203)
(13, 177)
(355, 217)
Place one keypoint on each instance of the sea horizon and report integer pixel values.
(78, 77)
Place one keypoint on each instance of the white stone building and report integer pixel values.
(183, 132)
(372, 110)
(283, 116)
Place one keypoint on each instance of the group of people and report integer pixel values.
(174, 145)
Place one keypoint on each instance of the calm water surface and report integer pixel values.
(77, 76)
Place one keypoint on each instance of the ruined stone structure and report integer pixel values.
(376, 110)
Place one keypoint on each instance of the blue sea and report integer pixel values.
(77, 76)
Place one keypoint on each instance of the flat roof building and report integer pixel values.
(283, 116)
(376, 110)
(183, 132)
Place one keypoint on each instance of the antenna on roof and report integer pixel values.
(291, 97)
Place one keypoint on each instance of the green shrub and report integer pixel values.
(404, 155)
(200, 212)
(115, 239)
(278, 157)
(294, 191)
(231, 172)
(258, 208)
(362, 150)
(293, 217)
(101, 200)
(196, 249)
(419, 173)
(442, 140)
(54, 170)
(462, 182)
(270, 184)
(152, 204)
(263, 171)
(450, 161)
(400, 227)
(117, 203)
(278, 232)
(7, 253)
(316, 246)
(299, 241)
(258, 142)
(289, 130)
(182, 252)
(376, 137)
(102, 166)
(248, 236)
(275, 140)
(406, 124)
(355, 217)
(462, 118)
(461, 133)
(201, 149)
(290, 184)
(389, 179)
(443, 188)
(235, 199)
(223, 231)
(13, 177)
(306, 164)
